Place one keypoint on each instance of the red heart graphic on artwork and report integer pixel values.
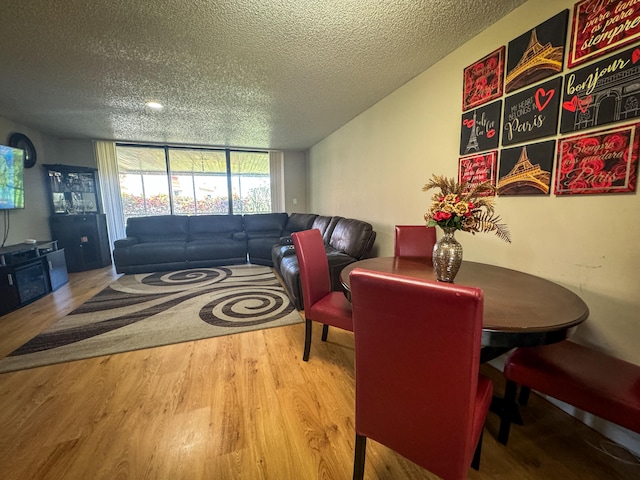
(575, 103)
(572, 105)
(583, 103)
(635, 56)
(468, 122)
(491, 133)
(543, 98)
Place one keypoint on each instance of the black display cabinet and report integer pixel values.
(77, 221)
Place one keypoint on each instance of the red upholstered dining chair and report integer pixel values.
(579, 375)
(417, 360)
(320, 303)
(414, 241)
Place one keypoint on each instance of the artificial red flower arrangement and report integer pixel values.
(461, 206)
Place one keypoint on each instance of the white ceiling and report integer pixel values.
(279, 74)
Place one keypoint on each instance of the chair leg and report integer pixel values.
(509, 409)
(307, 339)
(359, 457)
(523, 399)
(475, 463)
(325, 331)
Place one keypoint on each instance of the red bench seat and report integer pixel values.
(580, 376)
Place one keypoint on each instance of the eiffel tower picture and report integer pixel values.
(472, 144)
(480, 129)
(526, 178)
(538, 60)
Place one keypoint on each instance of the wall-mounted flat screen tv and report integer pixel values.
(11, 178)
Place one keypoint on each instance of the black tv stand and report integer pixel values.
(30, 271)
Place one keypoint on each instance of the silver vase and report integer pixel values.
(447, 256)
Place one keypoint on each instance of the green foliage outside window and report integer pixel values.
(257, 200)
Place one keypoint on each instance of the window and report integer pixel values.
(143, 181)
(199, 183)
(192, 181)
(250, 182)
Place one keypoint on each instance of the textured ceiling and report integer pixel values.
(279, 74)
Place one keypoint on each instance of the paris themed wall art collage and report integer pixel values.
(524, 98)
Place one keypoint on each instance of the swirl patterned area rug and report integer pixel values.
(154, 309)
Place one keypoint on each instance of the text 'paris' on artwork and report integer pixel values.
(604, 161)
(532, 113)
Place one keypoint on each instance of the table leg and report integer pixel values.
(489, 353)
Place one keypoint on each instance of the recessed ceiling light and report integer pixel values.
(154, 105)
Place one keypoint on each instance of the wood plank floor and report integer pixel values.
(237, 407)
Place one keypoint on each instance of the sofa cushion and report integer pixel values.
(160, 228)
(298, 222)
(209, 227)
(264, 225)
(259, 250)
(263, 232)
(353, 237)
(220, 248)
(150, 253)
(125, 242)
(326, 225)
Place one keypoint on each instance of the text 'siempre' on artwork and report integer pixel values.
(602, 26)
(605, 161)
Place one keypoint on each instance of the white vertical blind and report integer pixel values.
(110, 189)
(276, 160)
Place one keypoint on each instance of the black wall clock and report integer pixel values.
(21, 141)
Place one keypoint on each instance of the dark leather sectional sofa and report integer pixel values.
(346, 240)
(176, 242)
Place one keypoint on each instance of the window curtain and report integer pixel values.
(110, 189)
(276, 172)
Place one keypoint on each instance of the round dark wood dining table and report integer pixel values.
(519, 309)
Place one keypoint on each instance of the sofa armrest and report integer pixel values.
(125, 242)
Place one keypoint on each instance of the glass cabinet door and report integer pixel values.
(74, 190)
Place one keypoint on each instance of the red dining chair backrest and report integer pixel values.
(417, 357)
(414, 241)
(320, 303)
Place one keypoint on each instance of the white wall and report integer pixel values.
(374, 167)
(78, 153)
(295, 181)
